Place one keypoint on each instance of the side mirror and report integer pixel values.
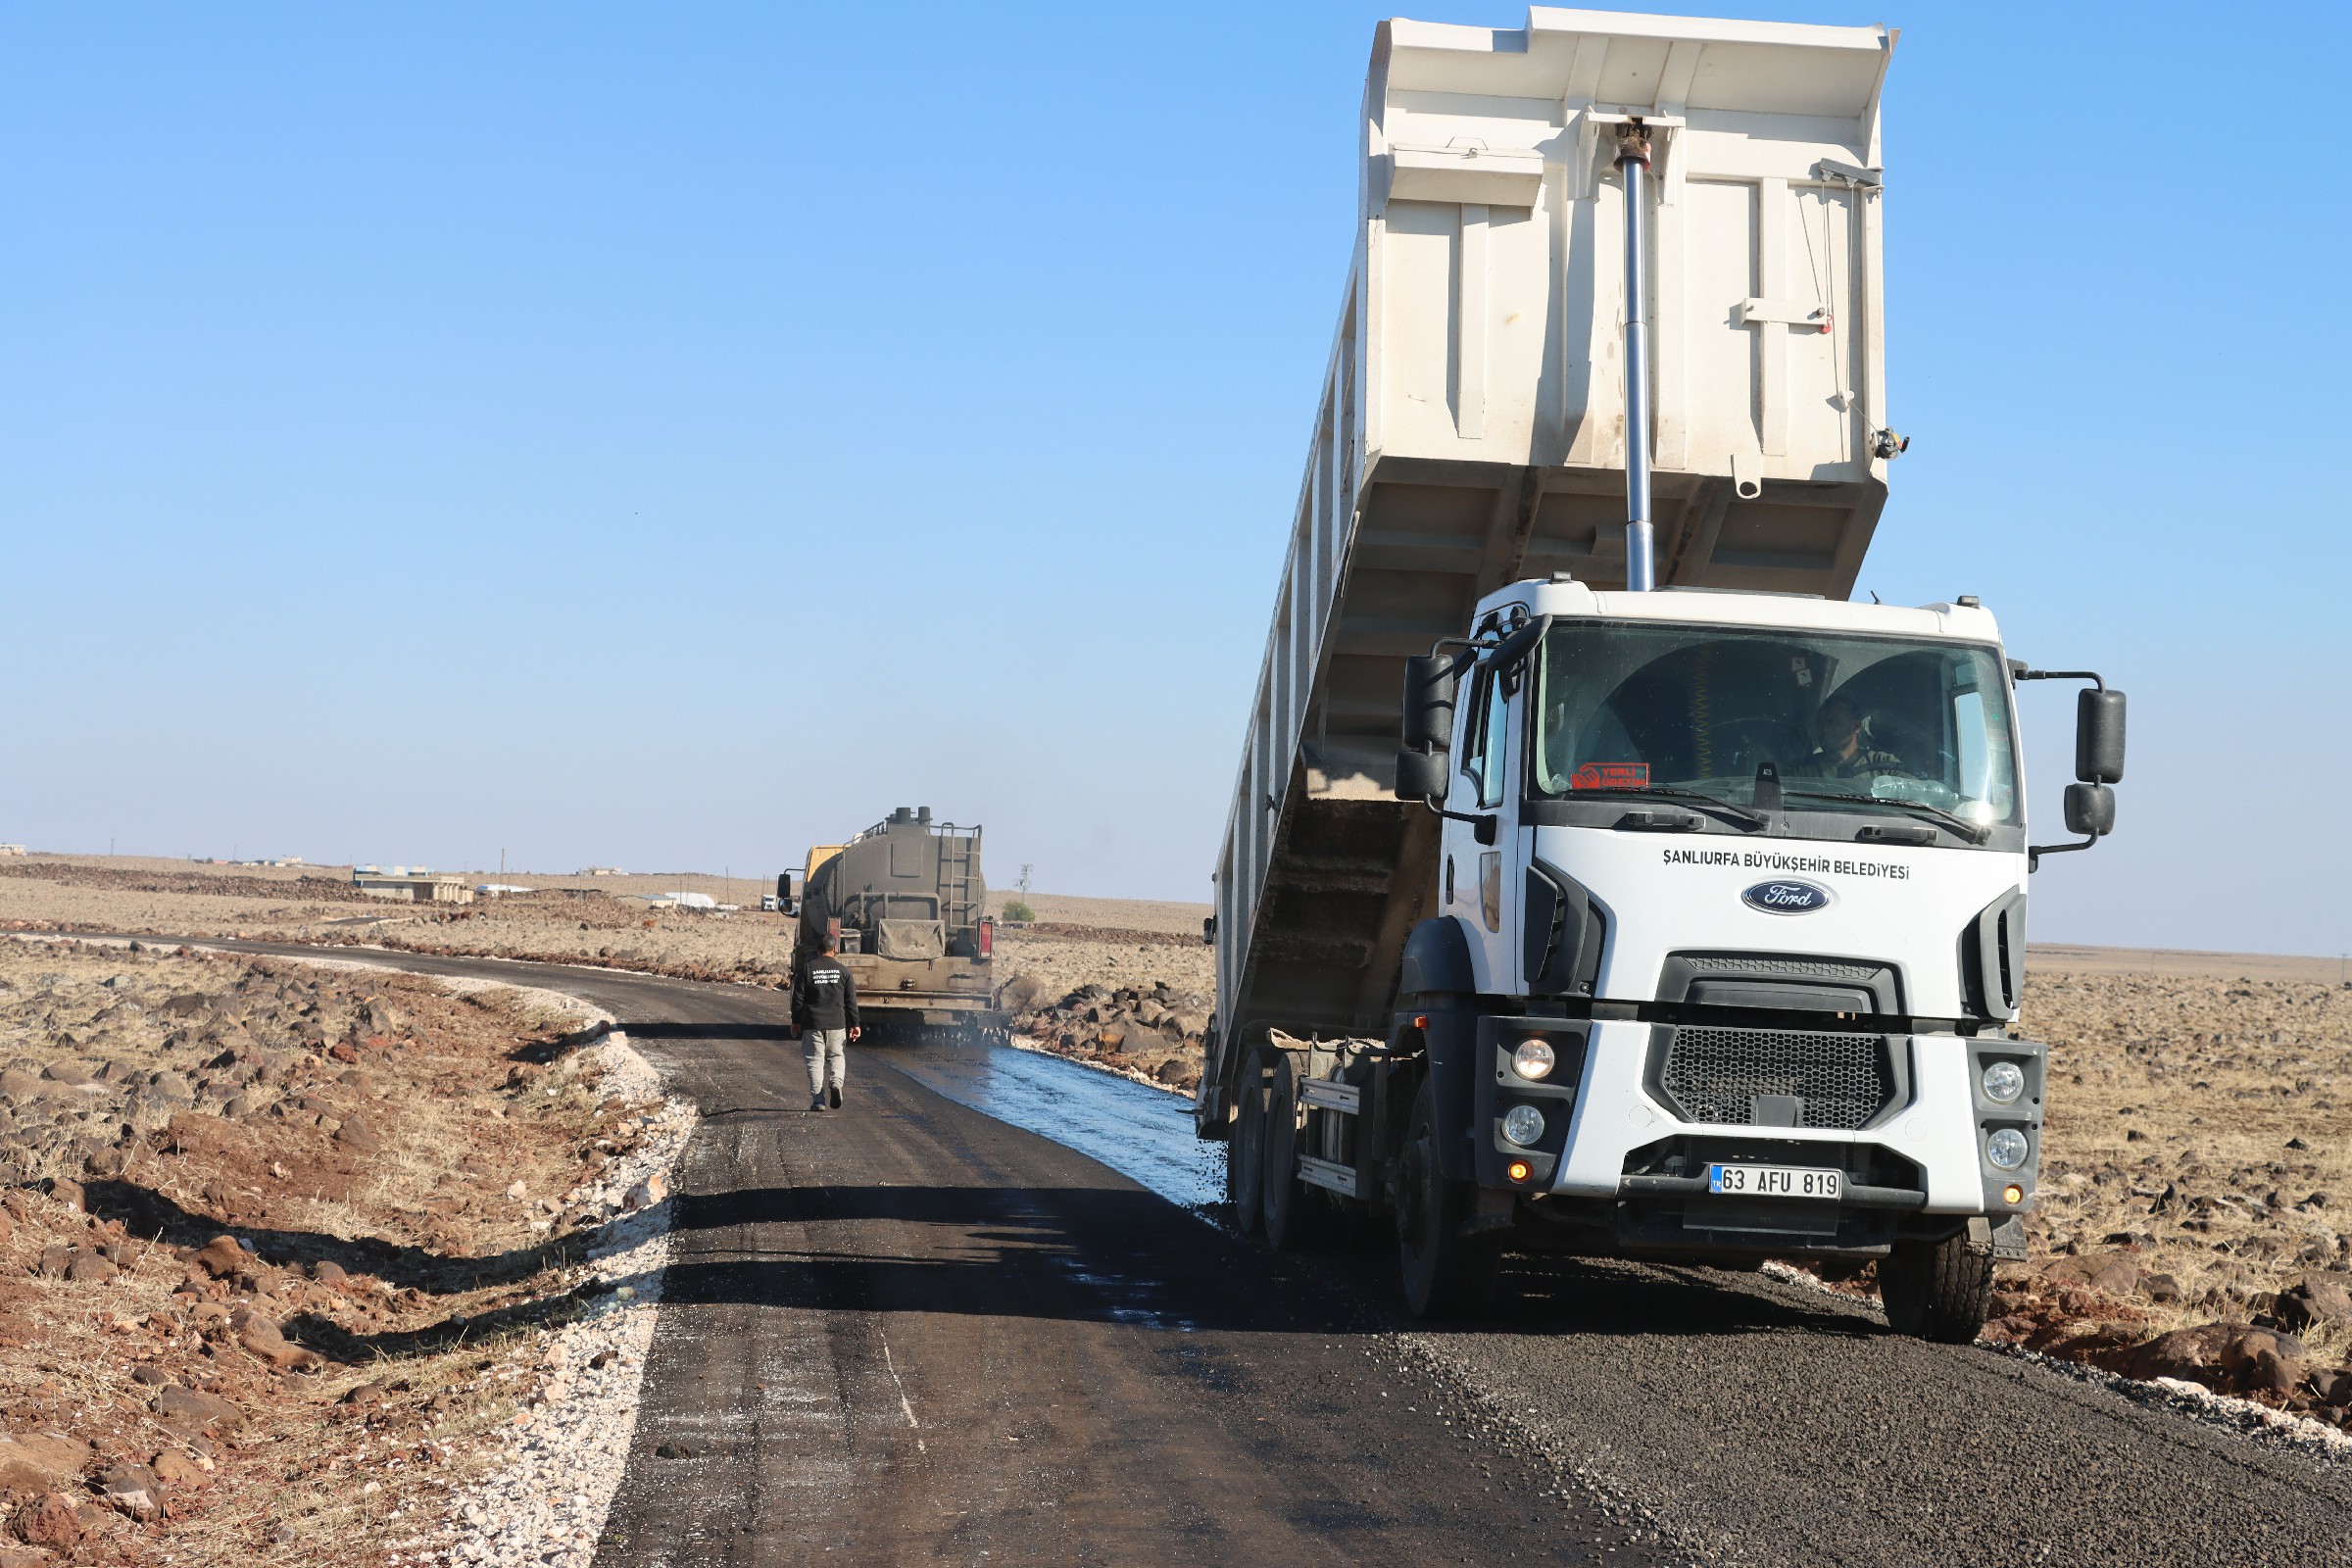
(1429, 686)
(1421, 775)
(2091, 808)
(2098, 761)
(1209, 930)
(2098, 743)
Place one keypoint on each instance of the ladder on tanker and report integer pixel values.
(958, 856)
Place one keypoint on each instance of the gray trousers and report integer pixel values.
(828, 1051)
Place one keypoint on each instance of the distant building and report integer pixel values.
(412, 886)
(602, 871)
(12, 849)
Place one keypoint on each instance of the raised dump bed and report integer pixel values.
(1472, 427)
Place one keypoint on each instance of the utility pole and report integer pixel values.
(1024, 882)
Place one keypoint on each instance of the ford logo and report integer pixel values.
(1787, 897)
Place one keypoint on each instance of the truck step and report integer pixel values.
(1321, 1094)
(1327, 1173)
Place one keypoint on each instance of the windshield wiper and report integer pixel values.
(1648, 792)
(1974, 832)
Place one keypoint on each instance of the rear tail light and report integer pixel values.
(988, 938)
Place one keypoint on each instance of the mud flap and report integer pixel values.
(2005, 1240)
(1495, 1211)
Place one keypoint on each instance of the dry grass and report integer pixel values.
(2199, 1089)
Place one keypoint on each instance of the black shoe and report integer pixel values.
(837, 1097)
(816, 1103)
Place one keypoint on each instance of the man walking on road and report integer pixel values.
(824, 1008)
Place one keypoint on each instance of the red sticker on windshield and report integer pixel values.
(1610, 776)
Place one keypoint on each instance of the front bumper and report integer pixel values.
(1616, 1131)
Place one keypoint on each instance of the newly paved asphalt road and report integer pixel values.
(911, 1333)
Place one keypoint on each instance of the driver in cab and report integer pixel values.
(1843, 748)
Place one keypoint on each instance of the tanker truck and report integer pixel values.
(907, 904)
(1689, 921)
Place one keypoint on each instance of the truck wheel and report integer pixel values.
(1298, 1217)
(1446, 1274)
(1246, 1150)
(1938, 1290)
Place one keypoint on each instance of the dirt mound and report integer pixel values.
(265, 1226)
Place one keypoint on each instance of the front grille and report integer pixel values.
(1838, 1081)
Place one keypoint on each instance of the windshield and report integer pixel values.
(1849, 724)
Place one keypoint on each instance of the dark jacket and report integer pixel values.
(823, 996)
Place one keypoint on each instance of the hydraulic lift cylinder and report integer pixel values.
(1633, 163)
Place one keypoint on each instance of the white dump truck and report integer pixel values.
(1689, 922)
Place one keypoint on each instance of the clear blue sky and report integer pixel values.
(669, 435)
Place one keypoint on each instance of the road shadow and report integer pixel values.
(1096, 1255)
(1120, 1254)
(151, 1215)
(547, 1052)
(317, 1332)
(1555, 1295)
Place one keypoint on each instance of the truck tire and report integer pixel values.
(1938, 1290)
(1446, 1274)
(1298, 1218)
(1246, 1150)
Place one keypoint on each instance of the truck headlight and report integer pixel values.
(1522, 1124)
(2007, 1149)
(2004, 1081)
(1533, 1059)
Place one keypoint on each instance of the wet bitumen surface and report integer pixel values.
(985, 1314)
(1144, 1134)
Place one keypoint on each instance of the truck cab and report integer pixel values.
(1732, 923)
(1728, 935)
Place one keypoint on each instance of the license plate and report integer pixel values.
(1774, 1180)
